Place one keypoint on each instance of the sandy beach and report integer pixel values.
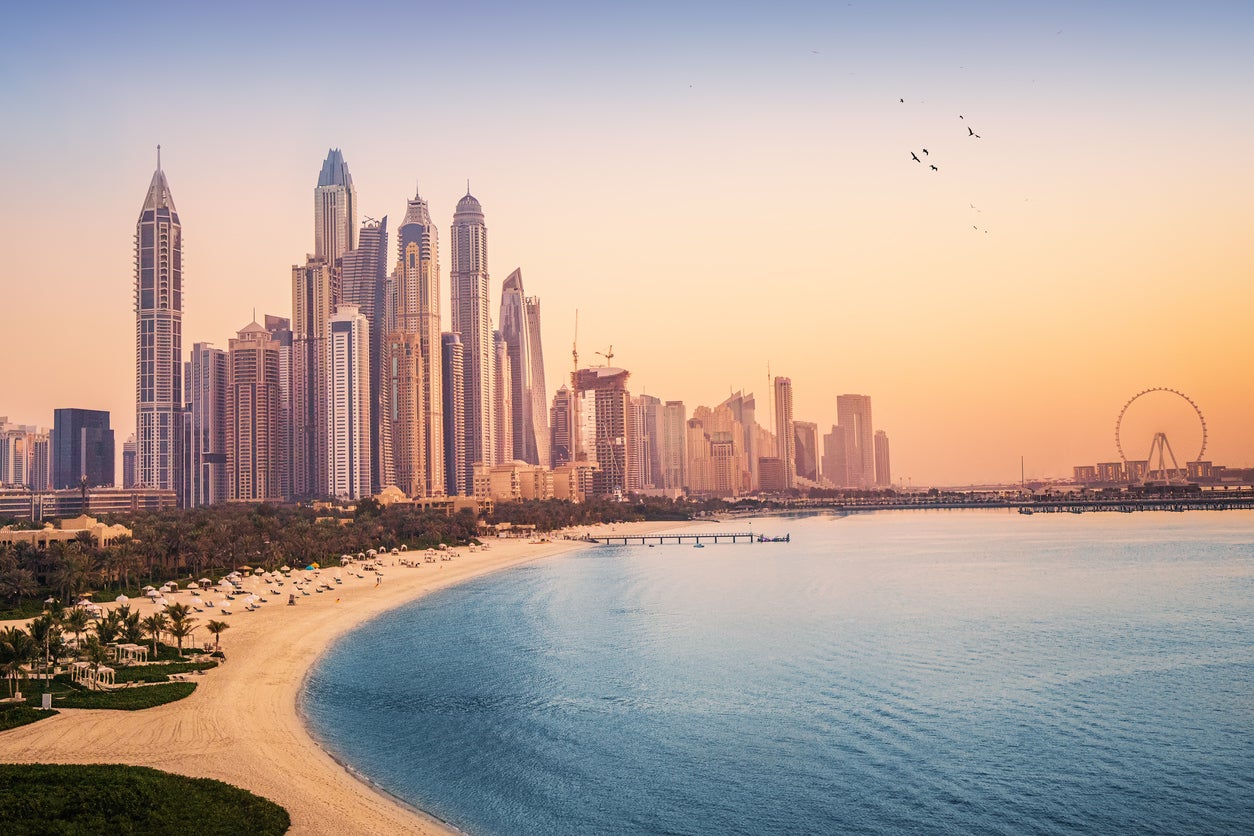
(241, 725)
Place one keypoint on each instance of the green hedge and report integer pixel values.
(37, 799)
(126, 699)
(159, 673)
(14, 715)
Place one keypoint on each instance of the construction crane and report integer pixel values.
(608, 354)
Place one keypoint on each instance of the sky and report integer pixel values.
(718, 189)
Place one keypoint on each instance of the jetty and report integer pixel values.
(679, 539)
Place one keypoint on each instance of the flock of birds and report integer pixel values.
(971, 134)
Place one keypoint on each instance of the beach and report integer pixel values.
(242, 724)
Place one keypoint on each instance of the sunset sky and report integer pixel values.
(714, 187)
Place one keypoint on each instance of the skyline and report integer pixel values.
(768, 213)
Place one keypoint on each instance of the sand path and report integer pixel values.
(242, 726)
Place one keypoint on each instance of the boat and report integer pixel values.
(698, 545)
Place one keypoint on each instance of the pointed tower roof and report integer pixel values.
(159, 196)
(252, 328)
(335, 170)
(416, 211)
(513, 282)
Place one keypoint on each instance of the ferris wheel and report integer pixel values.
(1156, 468)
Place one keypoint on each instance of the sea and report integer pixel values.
(966, 672)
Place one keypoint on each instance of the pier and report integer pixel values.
(673, 539)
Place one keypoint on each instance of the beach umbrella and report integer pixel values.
(285, 568)
(193, 585)
(309, 568)
(121, 599)
(152, 593)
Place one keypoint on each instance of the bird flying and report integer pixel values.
(934, 168)
(915, 157)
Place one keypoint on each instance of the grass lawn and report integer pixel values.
(159, 673)
(71, 800)
(125, 699)
(17, 714)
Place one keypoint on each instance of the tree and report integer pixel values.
(16, 649)
(95, 653)
(181, 623)
(76, 622)
(46, 633)
(108, 628)
(215, 628)
(16, 584)
(154, 625)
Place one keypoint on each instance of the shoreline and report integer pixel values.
(243, 724)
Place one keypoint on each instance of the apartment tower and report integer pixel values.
(348, 405)
(158, 338)
(415, 303)
(472, 320)
(253, 410)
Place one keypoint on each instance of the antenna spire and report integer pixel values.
(158, 158)
(467, 185)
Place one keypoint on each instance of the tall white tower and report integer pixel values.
(348, 405)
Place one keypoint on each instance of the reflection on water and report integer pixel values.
(956, 672)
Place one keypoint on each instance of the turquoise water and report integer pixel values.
(960, 672)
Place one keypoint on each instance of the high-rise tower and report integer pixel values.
(158, 338)
(473, 322)
(253, 407)
(207, 394)
(416, 310)
(335, 210)
(364, 284)
(313, 288)
(853, 415)
(785, 443)
(520, 325)
(453, 371)
(348, 405)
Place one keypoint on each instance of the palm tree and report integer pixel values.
(16, 649)
(97, 654)
(154, 625)
(107, 628)
(216, 628)
(181, 623)
(46, 634)
(18, 583)
(76, 622)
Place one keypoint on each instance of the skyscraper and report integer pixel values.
(335, 210)
(472, 320)
(416, 310)
(128, 462)
(82, 447)
(452, 370)
(835, 471)
(158, 338)
(502, 401)
(207, 387)
(883, 472)
(744, 409)
(364, 284)
(806, 436)
(254, 405)
(313, 291)
(602, 426)
(520, 325)
(674, 453)
(853, 415)
(280, 329)
(404, 413)
(348, 405)
(785, 444)
(561, 420)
